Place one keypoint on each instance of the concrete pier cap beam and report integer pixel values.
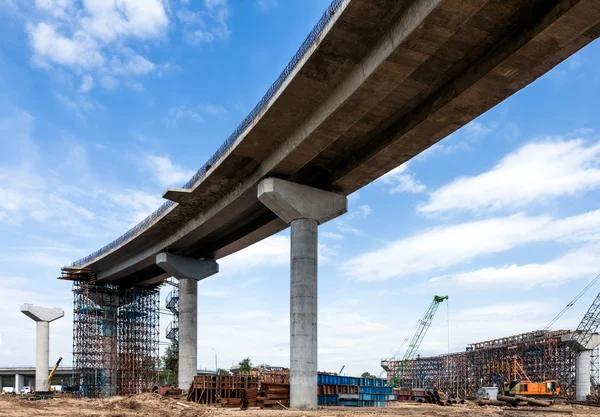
(304, 208)
(290, 201)
(42, 316)
(583, 365)
(188, 272)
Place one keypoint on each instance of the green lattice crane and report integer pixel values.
(420, 331)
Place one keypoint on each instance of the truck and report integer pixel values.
(8, 390)
(26, 390)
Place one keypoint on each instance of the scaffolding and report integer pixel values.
(544, 355)
(115, 336)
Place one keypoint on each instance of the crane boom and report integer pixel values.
(589, 325)
(420, 332)
(53, 371)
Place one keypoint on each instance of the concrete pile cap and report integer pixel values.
(42, 313)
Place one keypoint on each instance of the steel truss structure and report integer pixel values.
(115, 337)
(543, 354)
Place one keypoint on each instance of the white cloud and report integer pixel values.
(108, 82)
(476, 129)
(399, 180)
(266, 5)
(167, 173)
(207, 25)
(133, 205)
(441, 248)
(537, 172)
(576, 264)
(345, 227)
(78, 104)
(87, 83)
(331, 235)
(214, 110)
(136, 65)
(109, 19)
(179, 113)
(92, 35)
(182, 112)
(274, 250)
(79, 51)
(59, 9)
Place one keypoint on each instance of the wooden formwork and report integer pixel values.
(244, 390)
(227, 391)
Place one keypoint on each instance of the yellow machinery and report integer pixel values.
(52, 372)
(520, 384)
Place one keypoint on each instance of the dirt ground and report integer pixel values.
(153, 405)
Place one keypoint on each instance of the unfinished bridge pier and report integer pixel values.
(42, 317)
(583, 363)
(304, 208)
(188, 272)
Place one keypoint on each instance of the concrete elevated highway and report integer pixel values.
(376, 83)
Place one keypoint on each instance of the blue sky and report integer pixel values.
(101, 109)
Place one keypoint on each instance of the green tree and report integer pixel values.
(170, 363)
(222, 372)
(367, 375)
(245, 365)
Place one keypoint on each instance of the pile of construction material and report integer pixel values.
(354, 392)
(514, 401)
(274, 395)
(227, 391)
(257, 389)
(437, 397)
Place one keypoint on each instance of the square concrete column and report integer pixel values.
(303, 208)
(42, 316)
(19, 383)
(188, 271)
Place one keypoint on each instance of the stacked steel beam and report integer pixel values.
(354, 392)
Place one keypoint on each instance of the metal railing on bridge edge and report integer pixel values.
(306, 45)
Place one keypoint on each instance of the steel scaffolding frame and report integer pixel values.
(115, 336)
(137, 340)
(543, 355)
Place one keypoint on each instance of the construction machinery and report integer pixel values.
(419, 333)
(520, 384)
(53, 371)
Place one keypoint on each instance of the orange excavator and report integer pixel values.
(520, 384)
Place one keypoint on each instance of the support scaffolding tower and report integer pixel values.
(115, 336)
(544, 355)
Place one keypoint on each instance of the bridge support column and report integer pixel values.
(583, 364)
(42, 317)
(188, 271)
(19, 383)
(304, 208)
(583, 375)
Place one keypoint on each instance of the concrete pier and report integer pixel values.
(583, 374)
(304, 208)
(188, 272)
(188, 331)
(303, 313)
(42, 316)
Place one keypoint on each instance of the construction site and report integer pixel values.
(373, 85)
(116, 369)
